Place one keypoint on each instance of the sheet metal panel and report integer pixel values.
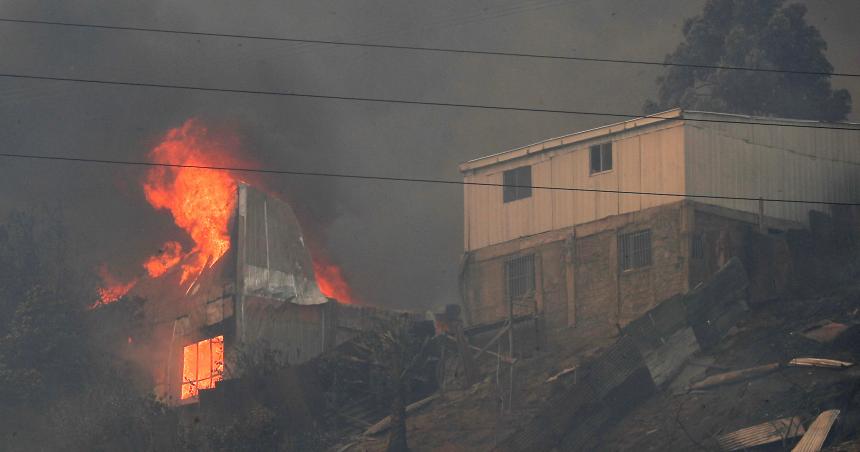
(772, 162)
(765, 433)
(277, 265)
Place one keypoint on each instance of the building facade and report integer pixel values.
(261, 294)
(640, 211)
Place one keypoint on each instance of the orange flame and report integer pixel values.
(168, 257)
(112, 288)
(331, 282)
(201, 201)
(202, 366)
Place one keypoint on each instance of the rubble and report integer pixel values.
(623, 395)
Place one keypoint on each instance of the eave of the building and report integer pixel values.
(636, 123)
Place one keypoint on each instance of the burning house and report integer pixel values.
(633, 231)
(248, 282)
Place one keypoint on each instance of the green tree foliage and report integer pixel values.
(752, 33)
(43, 350)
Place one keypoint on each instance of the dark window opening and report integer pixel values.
(520, 276)
(601, 157)
(698, 247)
(634, 250)
(517, 183)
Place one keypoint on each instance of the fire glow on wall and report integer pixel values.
(202, 365)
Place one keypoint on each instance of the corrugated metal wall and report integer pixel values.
(276, 263)
(773, 162)
(648, 160)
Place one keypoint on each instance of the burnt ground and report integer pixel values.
(680, 420)
(676, 419)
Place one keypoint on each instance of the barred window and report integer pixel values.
(517, 183)
(601, 157)
(520, 276)
(634, 249)
(698, 247)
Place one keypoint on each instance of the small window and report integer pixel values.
(182, 326)
(517, 183)
(520, 276)
(698, 247)
(634, 250)
(601, 157)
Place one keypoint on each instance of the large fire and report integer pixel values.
(201, 202)
(166, 258)
(331, 282)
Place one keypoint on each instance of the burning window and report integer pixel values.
(203, 365)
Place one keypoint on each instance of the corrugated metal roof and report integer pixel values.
(760, 434)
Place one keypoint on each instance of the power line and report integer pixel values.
(410, 179)
(424, 49)
(400, 101)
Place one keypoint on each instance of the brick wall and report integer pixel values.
(586, 302)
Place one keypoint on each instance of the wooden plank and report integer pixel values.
(819, 362)
(561, 374)
(735, 376)
(465, 355)
(505, 359)
(814, 438)
(764, 433)
(385, 423)
(492, 341)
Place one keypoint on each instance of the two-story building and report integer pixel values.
(591, 229)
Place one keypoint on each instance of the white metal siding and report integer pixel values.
(772, 162)
(648, 160)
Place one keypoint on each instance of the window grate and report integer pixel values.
(698, 247)
(520, 276)
(634, 249)
(517, 183)
(601, 157)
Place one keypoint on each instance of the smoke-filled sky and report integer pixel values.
(398, 243)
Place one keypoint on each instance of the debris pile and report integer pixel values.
(699, 371)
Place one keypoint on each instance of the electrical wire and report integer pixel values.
(425, 49)
(406, 101)
(412, 179)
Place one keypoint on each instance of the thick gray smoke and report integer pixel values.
(398, 243)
